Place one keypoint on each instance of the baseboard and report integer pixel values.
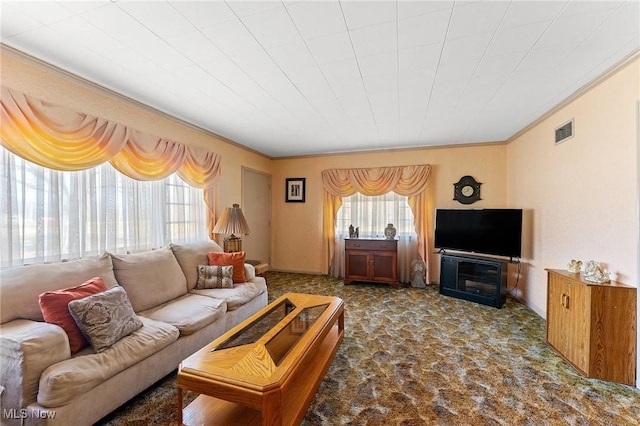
(531, 307)
(296, 271)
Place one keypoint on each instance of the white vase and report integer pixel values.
(390, 232)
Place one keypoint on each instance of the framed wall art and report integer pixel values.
(295, 190)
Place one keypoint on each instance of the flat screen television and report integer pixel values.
(486, 231)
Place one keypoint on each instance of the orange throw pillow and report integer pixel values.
(234, 259)
(55, 310)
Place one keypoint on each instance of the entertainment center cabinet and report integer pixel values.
(474, 278)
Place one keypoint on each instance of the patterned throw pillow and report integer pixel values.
(105, 318)
(215, 276)
(55, 308)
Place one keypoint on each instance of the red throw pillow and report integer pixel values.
(234, 259)
(55, 310)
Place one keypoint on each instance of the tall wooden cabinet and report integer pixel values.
(374, 260)
(593, 326)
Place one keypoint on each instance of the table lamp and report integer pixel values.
(232, 223)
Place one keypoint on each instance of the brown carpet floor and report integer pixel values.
(414, 357)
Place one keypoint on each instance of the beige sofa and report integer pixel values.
(43, 383)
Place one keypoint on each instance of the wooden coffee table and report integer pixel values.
(267, 369)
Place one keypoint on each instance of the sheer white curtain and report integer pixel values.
(48, 215)
(371, 215)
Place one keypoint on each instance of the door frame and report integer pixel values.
(243, 183)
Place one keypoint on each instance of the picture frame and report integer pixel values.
(295, 190)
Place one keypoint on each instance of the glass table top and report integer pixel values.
(280, 344)
(258, 328)
(286, 338)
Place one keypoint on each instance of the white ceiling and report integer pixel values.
(290, 78)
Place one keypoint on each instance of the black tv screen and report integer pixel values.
(487, 231)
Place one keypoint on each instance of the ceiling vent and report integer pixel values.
(564, 132)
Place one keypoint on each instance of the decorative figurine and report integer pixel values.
(594, 273)
(390, 232)
(574, 266)
(352, 232)
(357, 232)
(417, 280)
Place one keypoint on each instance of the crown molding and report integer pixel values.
(389, 150)
(621, 64)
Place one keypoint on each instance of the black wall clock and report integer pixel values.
(466, 190)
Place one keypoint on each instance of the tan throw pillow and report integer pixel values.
(105, 318)
(214, 277)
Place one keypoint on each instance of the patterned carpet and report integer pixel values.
(413, 357)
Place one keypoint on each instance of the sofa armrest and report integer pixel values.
(249, 271)
(27, 348)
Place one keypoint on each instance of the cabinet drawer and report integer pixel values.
(382, 245)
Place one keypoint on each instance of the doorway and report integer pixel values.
(256, 206)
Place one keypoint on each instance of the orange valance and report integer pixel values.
(58, 138)
(411, 181)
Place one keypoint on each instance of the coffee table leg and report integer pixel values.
(272, 409)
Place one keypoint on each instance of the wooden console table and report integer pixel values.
(374, 260)
(261, 267)
(267, 369)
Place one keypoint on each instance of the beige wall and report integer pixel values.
(50, 85)
(297, 227)
(582, 194)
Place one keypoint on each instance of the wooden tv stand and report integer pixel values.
(270, 377)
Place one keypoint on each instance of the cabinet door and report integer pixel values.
(578, 326)
(357, 265)
(557, 315)
(384, 266)
(568, 325)
(449, 273)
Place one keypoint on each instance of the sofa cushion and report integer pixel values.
(63, 382)
(55, 308)
(191, 255)
(150, 278)
(105, 318)
(215, 276)
(21, 286)
(238, 295)
(188, 313)
(234, 259)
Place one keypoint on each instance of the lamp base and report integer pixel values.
(232, 244)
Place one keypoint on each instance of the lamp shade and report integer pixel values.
(232, 222)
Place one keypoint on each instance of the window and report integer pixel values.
(48, 215)
(186, 211)
(371, 215)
